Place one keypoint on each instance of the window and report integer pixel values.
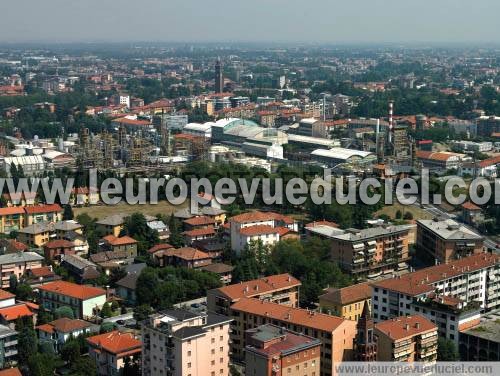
(221, 349)
(189, 365)
(189, 353)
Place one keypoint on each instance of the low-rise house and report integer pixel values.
(280, 288)
(11, 219)
(11, 246)
(186, 257)
(83, 196)
(191, 236)
(223, 270)
(472, 214)
(347, 302)
(8, 343)
(62, 228)
(7, 299)
(156, 252)
(406, 339)
(82, 270)
(110, 350)
(161, 229)
(10, 314)
(57, 332)
(85, 301)
(43, 213)
(109, 260)
(125, 288)
(124, 244)
(54, 249)
(36, 235)
(39, 276)
(18, 264)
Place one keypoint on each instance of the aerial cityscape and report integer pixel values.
(248, 205)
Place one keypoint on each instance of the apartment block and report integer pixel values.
(272, 351)
(407, 339)
(371, 252)
(446, 240)
(281, 288)
(347, 302)
(450, 295)
(8, 344)
(336, 334)
(258, 226)
(85, 301)
(180, 343)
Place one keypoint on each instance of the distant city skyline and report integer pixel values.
(315, 21)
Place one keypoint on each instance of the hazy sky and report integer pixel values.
(330, 21)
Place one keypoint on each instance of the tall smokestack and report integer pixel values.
(391, 120)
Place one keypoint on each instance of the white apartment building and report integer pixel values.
(179, 343)
(450, 295)
(267, 227)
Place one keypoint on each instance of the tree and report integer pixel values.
(142, 312)
(399, 214)
(24, 292)
(83, 366)
(175, 238)
(70, 351)
(447, 350)
(137, 227)
(106, 310)
(67, 213)
(64, 311)
(408, 216)
(106, 327)
(13, 283)
(130, 367)
(41, 365)
(26, 339)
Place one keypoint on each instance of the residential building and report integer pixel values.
(444, 240)
(407, 339)
(272, 350)
(124, 244)
(371, 252)
(18, 264)
(85, 301)
(487, 125)
(54, 249)
(185, 257)
(125, 288)
(11, 219)
(82, 270)
(57, 332)
(83, 196)
(279, 288)
(178, 343)
(10, 314)
(36, 235)
(472, 214)
(336, 334)
(43, 213)
(480, 343)
(223, 270)
(10, 371)
(347, 302)
(451, 295)
(112, 225)
(8, 344)
(110, 351)
(258, 226)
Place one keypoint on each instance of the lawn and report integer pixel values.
(102, 211)
(391, 210)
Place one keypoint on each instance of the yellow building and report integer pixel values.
(11, 219)
(35, 235)
(43, 213)
(347, 302)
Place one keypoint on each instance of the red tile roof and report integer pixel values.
(37, 209)
(43, 271)
(116, 342)
(59, 243)
(12, 210)
(254, 216)
(159, 247)
(72, 290)
(199, 221)
(259, 286)
(10, 372)
(6, 295)
(187, 253)
(420, 281)
(123, 240)
(348, 295)
(405, 327)
(200, 232)
(258, 230)
(296, 316)
(321, 223)
(490, 161)
(12, 313)
(64, 325)
(470, 206)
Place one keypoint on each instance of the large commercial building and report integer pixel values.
(280, 288)
(350, 158)
(179, 343)
(406, 339)
(451, 295)
(371, 252)
(272, 351)
(446, 240)
(336, 334)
